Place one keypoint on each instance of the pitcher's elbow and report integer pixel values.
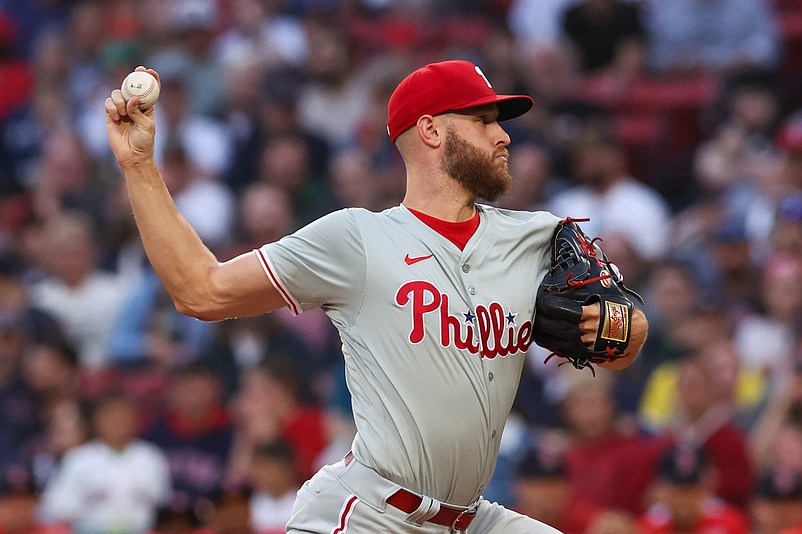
(196, 309)
(185, 308)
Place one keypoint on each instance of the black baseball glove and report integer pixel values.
(580, 275)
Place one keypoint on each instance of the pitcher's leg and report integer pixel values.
(320, 503)
(325, 506)
(492, 518)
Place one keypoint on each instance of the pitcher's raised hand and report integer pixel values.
(130, 130)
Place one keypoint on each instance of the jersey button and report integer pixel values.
(490, 376)
(466, 268)
(472, 290)
(493, 434)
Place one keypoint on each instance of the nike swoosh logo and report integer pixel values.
(412, 261)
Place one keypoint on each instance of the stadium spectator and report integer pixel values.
(276, 93)
(228, 514)
(183, 521)
(19, 421)
(206, 141)
(533, 167)
(615, 202)
(23, 135)
(741, 389)
(14, 68)
(332, 102)
(67, 426)
(240, 346)
(740, 163)
(672, 295)
(721, 36)
(609, 36)
(684, 501)
(564, 114)
(766, 339)
(15, 298)
(743, 142)
(730, 267)
(263, 33)
(123, 253)
(273, 480)
(271, 406)
(353, 180)
(29, 379)
(253, 228)
(51, 371)
(787, 231)
(191, 56)
(204, 201)
(285, 163)
(776, 437)
(83, 298)
(542, 490)
(64, 181)
(536, 23)
(601, 456)
(706, 421)
(777, 503)
(114, 482)
(196, 435)
(151, 332)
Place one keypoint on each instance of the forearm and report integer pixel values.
(174, 249)
(197, 283)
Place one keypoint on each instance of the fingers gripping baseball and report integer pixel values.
(130, 130)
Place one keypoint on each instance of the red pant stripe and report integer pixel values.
(345, 513)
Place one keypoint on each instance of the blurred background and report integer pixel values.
(675, 125)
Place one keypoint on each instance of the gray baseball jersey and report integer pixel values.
(434, 337)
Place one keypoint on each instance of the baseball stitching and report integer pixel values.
(146, 93)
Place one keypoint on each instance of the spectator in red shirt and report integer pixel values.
(14, 71)
(684, 501)
(600, 455)
(269, 406)
(706, 420)
(542, 490)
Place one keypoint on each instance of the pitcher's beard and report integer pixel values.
(480, 173)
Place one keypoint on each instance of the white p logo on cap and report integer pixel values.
(482, 74)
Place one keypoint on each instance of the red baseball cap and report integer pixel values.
(447, 86)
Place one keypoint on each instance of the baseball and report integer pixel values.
(143, 85)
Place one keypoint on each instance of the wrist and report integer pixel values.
(139, 163)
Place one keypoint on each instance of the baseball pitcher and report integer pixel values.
(436, 301)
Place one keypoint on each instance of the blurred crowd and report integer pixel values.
(675, 125)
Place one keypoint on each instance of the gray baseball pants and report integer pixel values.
(351, 499)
